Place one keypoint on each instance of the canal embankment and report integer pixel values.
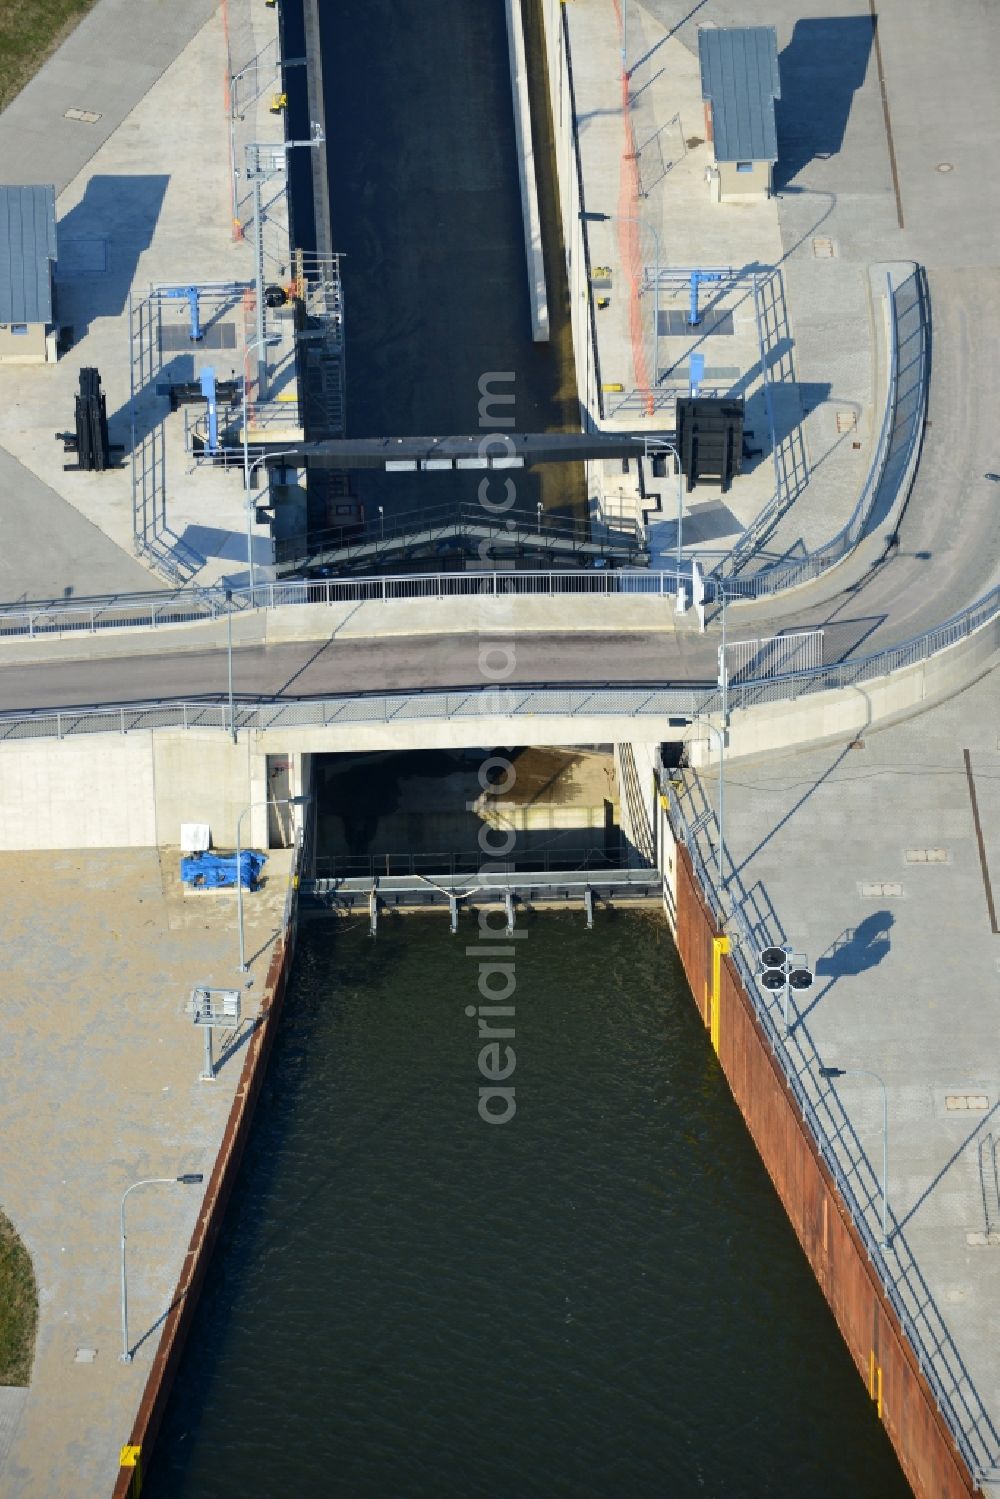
(874, 859)
(136, 1452)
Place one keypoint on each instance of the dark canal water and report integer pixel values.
(425, 205)
(600, 1298)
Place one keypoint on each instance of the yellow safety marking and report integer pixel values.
(720, 945)
(878, 1404)
(129, 1457)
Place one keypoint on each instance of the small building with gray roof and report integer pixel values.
(739, 84)
(27, 268)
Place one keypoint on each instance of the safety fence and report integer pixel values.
(186, 606)
(892, 465)
(750, 923)
(529, 702)
(555, 860)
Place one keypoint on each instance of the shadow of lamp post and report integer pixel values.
(834, 1072)
(285, 801)
(188, 1179)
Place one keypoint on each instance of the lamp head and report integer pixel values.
(831, 1072)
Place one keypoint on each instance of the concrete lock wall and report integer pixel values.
(636, 773)
(571, 206)
(77, 793)
(881, 1353)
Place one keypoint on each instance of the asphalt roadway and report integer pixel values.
(947, 547)
(946, 556)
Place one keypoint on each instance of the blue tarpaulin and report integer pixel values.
(208, 871)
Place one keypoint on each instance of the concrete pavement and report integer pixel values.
(837, 183)
(101, 1088)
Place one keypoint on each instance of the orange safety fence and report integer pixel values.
(227, 96)
(628, 234)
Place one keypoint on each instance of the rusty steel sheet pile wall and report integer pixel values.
(822, 1224)
(136, 1453)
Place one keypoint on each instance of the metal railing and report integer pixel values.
(895, 451)
(468, 861)
(582, 701)
(186, 606)
(431, 525)
(752, 925)
(604, 699)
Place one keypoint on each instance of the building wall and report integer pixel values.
(22, 348)
(753, 184)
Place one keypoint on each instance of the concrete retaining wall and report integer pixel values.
(134, 791)
(881, 1353)
(571, 207)
(849, 712)
(526, 171)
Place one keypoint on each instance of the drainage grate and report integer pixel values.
(823, 247)
(871, 888)
(927, 856)
(674, 323)
(84, 116)
(176, 336)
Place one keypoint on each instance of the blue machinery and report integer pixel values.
(207, 379)
(697, 277)
(197, 333)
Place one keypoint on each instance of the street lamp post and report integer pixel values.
(723, 664)
(834, 1072)
(261, 342)
(248, 469)
(661, 445)
(188, 1179)
(720, 847)
(229, 652)
(285, 801)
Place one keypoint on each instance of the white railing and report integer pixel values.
(187, 606)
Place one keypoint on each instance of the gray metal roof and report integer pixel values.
(27, 244)
(739, 75)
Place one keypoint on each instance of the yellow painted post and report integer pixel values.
(130, 1457)
(719, 946)
(878, 1398)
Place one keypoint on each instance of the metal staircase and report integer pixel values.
(460, 531)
